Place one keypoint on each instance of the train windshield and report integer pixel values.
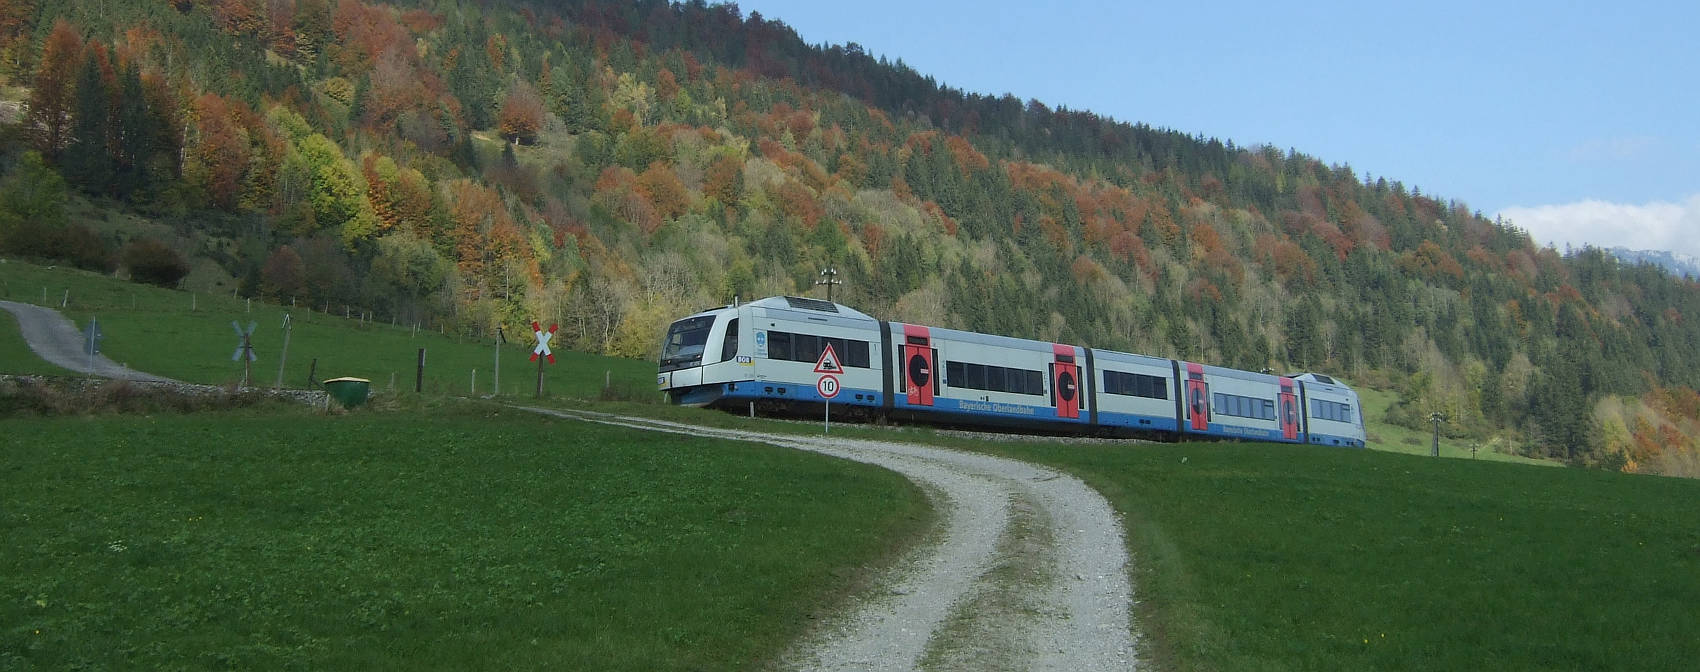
(685, 340)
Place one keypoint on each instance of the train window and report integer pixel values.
(1245, 407)
(805, 347)
(778, 345)
(1135, 385)
(729, 345)
(856, 354)
(808, 348)
(1332, 410)
(994, 378)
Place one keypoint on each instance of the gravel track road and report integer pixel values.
(56, 339)
(1026, 570)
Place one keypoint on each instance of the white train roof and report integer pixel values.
(810, 305)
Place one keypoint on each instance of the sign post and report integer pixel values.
(91, 341)
(496, 387)
(542, 352)
(827, 386)
(245, 350)
(283, 355)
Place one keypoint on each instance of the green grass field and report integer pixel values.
(457, 537)
(1271, 557)
(155, 330)
(1247, 556)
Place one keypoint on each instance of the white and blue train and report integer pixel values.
(768, 353)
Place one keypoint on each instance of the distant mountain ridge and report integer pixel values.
(1679, 264)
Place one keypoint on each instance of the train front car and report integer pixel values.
(773, 355)
(699, 356)
(1333, 415)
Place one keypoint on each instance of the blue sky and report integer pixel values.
(1579, 121)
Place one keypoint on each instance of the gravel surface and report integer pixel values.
(56, 339)
(1026, 571)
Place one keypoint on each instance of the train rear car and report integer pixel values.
(1333, 415)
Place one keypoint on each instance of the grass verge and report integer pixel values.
(15, 353)
(449, 537)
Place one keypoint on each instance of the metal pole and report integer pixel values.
(828, 408)
(1436, 418)
(419, 378)
(474, 387)
(496, 386)
(283, 356)
(540, 377)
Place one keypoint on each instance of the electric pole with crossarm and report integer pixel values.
(830, 278)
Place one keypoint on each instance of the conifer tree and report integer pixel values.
(134, 138)
(86, 160)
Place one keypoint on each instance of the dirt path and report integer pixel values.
(1026, 571)
(56, 339)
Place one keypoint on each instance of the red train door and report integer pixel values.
(1197, 397)
(1065, 377)
(918, 372)
(1289, 411)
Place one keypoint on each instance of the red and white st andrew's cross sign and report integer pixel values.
(543, 342)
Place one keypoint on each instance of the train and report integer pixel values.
(776, 354)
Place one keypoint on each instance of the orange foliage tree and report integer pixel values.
(661, 186)
(724, 179)
(521, 117)
(218, 155)
(50, 102)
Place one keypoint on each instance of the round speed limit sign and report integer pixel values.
(827, 386)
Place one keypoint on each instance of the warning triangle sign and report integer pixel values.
(828, 361)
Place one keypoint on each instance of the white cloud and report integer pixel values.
(1660, 225)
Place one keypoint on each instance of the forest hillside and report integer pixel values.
(613, 165)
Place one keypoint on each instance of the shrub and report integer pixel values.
(153, 262)
(85, 249)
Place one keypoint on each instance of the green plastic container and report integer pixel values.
(349, 392)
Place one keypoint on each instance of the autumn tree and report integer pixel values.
(54, 94)
(283, 275)
(661, 186)
(522, 114)
(15, 19)
(724, 179)
(218, 155)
